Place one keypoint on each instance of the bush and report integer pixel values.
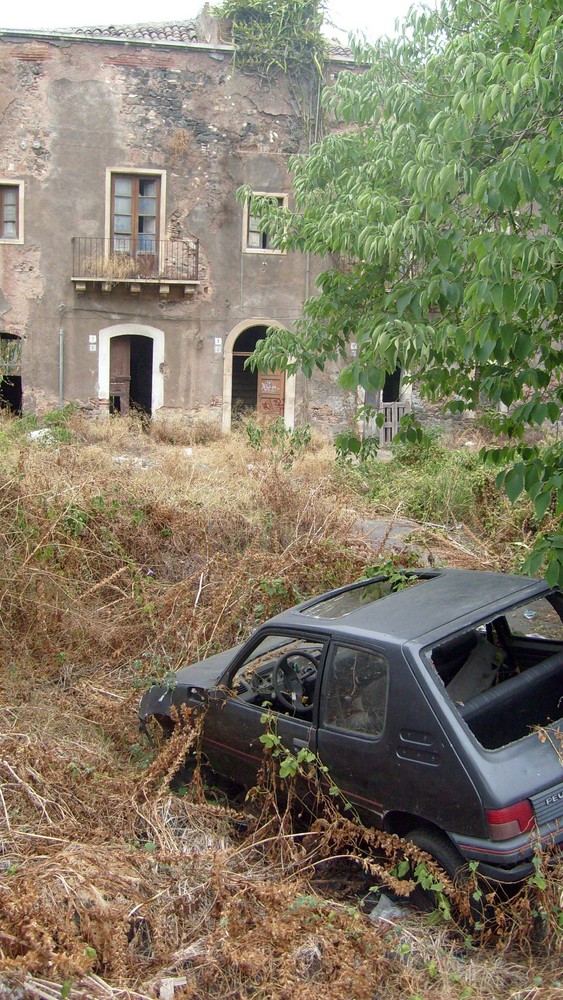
(444, 486)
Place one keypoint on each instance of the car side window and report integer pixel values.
(355, 691)
(280, 672)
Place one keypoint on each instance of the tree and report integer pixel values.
(440, 192)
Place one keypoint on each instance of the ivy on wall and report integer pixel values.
(276, 36)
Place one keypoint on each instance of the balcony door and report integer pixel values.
(135, 214)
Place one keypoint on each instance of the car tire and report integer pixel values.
(443, 852)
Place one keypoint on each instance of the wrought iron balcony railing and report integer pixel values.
(129, 260)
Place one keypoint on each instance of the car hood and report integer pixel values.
(201, 676)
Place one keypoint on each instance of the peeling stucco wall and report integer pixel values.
(72, 109)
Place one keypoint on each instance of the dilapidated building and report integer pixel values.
(130, 275)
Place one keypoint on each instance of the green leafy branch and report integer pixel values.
(305, 763)
(283, 444)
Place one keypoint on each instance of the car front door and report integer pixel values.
(247, 705)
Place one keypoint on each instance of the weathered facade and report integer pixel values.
(130, 276)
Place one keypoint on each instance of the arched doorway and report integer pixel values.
(253, 390)
(10, 373)
(245, 390)
(130, 366)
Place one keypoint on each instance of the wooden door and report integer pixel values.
(271, 393)
(392, 413)
(120, 374)
(135, 236)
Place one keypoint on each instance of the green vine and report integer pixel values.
(276, 36)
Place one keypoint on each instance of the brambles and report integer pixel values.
(106, 877)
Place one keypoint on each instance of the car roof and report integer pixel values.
(443, 602)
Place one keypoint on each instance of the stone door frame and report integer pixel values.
(132, 330)
(230, 341)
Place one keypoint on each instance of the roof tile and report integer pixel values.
(185, 32)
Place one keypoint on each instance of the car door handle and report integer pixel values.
(298, 744)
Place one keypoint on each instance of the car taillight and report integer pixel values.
(509, 822)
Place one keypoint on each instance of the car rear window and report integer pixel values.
(536, 620)
(359, 596)
(505, 676)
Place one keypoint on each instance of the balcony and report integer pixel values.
(111, 263)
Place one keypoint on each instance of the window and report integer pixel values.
(135, 213)
(356, 691)
(358, 596)
(11, 204)
(254, 240)
(536, 620)
(281, 671)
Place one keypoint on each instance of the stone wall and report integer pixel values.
(73, 109)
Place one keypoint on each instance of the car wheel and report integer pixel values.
(443, 852)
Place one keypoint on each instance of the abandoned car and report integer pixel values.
(437, 708)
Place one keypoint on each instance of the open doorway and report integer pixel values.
(391, 392)
(134, 372)
(393, 407)
(131, 366)
(263, 392)
(243, 389)
(10, 373)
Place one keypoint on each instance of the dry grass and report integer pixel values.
(124, 557)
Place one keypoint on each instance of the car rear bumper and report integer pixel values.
(510, 861)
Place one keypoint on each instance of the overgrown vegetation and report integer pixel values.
(282, 444)
(450, 487)
(126, 555)
(276, 36)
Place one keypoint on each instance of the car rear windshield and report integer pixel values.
(537, 620)
(359, 596)
(505, 676)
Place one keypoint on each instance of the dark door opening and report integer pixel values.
(141, 374)
(253, 390)
(131, 375)
(385, 402)
(245, 384)
(10, 373)
(392, 387)
(391, 408)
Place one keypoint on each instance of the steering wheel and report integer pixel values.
(289, 682)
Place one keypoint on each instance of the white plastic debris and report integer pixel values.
(386, 909)
(42, 434)
(168, 987)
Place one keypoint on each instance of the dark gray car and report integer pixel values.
(436, 706)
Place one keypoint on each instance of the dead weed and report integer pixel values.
(123, 558)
